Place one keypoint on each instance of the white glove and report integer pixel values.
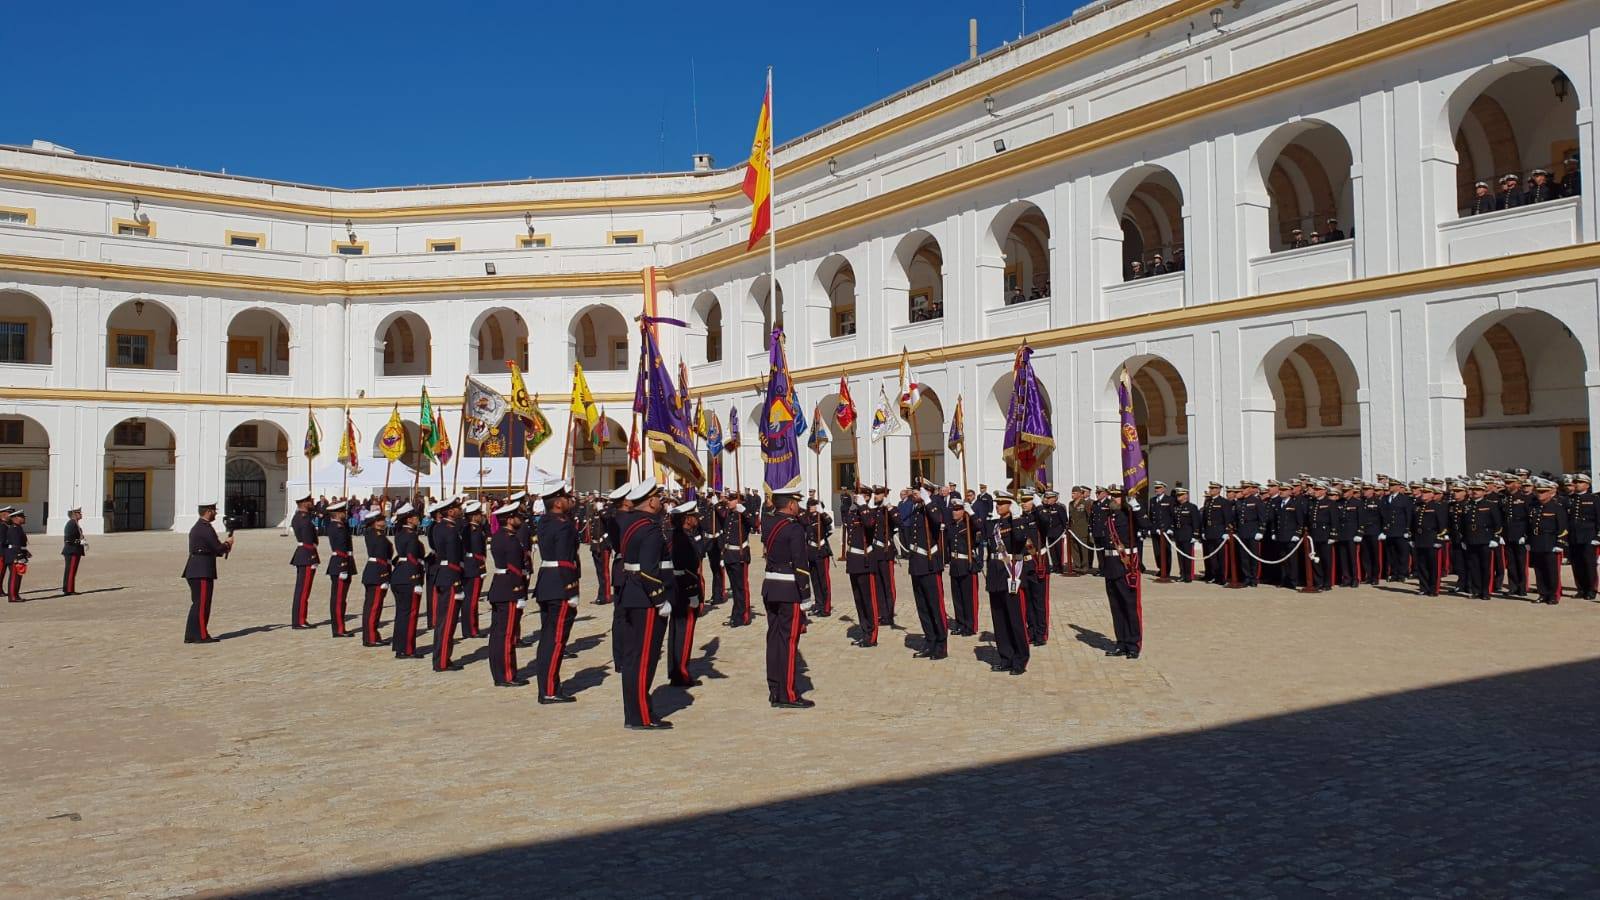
(344, 576)
(1522, 540)
(1133, 504)
(522, 604)
(1493, 542)
(1382, 536)
(572, 602)
(694, 603)
(1167, 532)
(1358, 538)
(1406, 536)
(807, 606)
(665, 608)
(1258, 536)
(1594, 543)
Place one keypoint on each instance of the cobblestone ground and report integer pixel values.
(1364, 742)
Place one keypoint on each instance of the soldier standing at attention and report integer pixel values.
(1287, 529)
(1346, 558)
(1482, 200)
(1161, 522)
(711, 519)
(1003, 581)
(884, 554)
(1510, 192)
(201, 573)
(1320, 527)
(1078, 514)
(507, 592)
(1430, 531)
(557, 589)
(375, 577)
(447, 586)
(1369, 533)
(685, 549)
(1514, 511)
(403, 578)
(1120, 567)
(1249, 525)
(15, 525)
(1482, 524)
(72, 550)
(1547, 529)
(304, 559)
(961, 538)
(924, 531)
(1185, 525)
(1215, 517)
(737, 524)
(5, 549)
(860, 530)
(819, 528)
(1035, 573)
(645, 600)
(474, 558)
(1572, 181)
(341, 565)
(1399, 509)
(1583, 536)
(786, 594)
(1055, 521)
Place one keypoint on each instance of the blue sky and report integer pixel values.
(353, 94)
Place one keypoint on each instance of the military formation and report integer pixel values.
(1498, 533)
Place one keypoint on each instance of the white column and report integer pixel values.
(1586, 154)
(1258, 420)
(1447, 425)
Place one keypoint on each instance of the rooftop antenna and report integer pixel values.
(1024, 24)
(694, 104)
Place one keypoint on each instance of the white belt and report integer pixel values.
(550, 564)
(819, 543)
(683, 572)
(919, 550)
(959, 556)
(743, 546)
(630, 567)
(499, 571)
(879, 544)
(667, 567)
(858, 551)
(780, 576)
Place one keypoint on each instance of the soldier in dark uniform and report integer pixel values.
(786, 594)
(447, 586)
(960, 539)
(1081, 558)
(1120, 567)
(408, 570)
(645, 598)
(1003, 580)
(1483, 200)
(1482, 524)
(304, 559)
(341, 566)
(1216, 514)
(1334, 232)
(603, 543)
(685, 548)
(1249, 525)
(1161, 504)
(885, 553)
(201, 573)
(557, 589)
(1583, 536)
(819, 529)
(1297, 238)
(924, 537)
(508, 590)
(1541, 190)
(474, 557)
(375, 577)
(1185, 525)
(1346, 530)
(1035, 574)
(1510, 192)
(13, 525)
(1430, 532)
(1320, 526)
(5, 549)
(711, 518)
(73, 548)
(1369, 525)
(737, 523)
(1399, 511)
(1547, 529)
(1572, 180)
(1054, 518)
(860, 531)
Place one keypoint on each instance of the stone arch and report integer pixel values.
(762, 314)
(26, 336)
(600, 470)
(1147, 200)
(1314, 384)
(499, 334)
(927, 445)
(836, 279)
(1020, 236)
(256, 499)
(916, 269)
(841, 447)
(1522, 408)
(258, 342)
(706, 319)
(1505, 118)
(1304, 168)
(599, 339)
(405, 345)
(25, 469)
(142, 333)
(140, 487)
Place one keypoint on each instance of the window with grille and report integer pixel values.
(128, 434)
(14, 342)
(11, 432)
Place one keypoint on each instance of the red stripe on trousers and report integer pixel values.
(509, 642)
(302, 605)
(72, 573)
(205, 607)
(794, 646)
(688, 642)
(943, 619)
(1022, 610)
(644, 665)
(555, 656)
(373, 611)
(872, 592)
(974, 602)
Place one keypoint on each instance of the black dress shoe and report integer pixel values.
(345, 634)
(868, 644)
(802, 703)
(374, 643)
(687, 684)
(999, 667)
(653, 726)
(939, 654)
(561, 698)
(418, 655)
(453, 667)
(1117, 651)
(510, 683)
(209, 640)
(921, 654)
(1133, 654)
(1018, 671)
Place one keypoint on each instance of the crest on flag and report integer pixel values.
(819, 433)
(536, 429)
(884, 420)
(844, 415)
(582, 400)
(349, 454)
(484, 407)
(957, 441)
(392, 440)
(910, 390)
(313, 442)
(1135, 474)
(519, 401)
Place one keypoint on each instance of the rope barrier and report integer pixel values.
(1201, 558)
(1293, 549)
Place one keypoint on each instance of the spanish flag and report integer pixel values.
(758, 172)
(582, 400)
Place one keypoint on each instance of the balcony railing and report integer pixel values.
(1509, 232)
(1303, 267)
(1142, 296)
(1018, 318)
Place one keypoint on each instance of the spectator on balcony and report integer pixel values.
(1135, 270)
(1542, 189)
(1297, 239)
(1482, 200)
(1572, 180)
(1016, 296)
(1510, 192)
(1177, 263)
(1334, 232)
(1158, 266)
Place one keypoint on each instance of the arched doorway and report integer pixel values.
(244, 496)
(708, 318)
(917, 273)
(1148, 205)
(255, 474)
(406, 346)
(598, 340)
(1317, 428)
(501, 335)
(762, 313)
(837, 280)
(25, 469)
(1512, 118)
(1160, 411)
(1305, 168)
(140, 488)
(142, 334)
(1025, 250)
(599, 457)
(927, 445)
(25, 334)
(258, 343)
(1526, 404)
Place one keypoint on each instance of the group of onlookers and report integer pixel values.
(1542, 187)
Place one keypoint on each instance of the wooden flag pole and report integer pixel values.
(344, 487)
(510, 431)
(461, 440)
(963, 456)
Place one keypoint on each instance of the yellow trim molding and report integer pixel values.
(149, 347)
(532, 242)
(260, 239)
(435, 245)
(1509, 268)
(616, 237)
(339, 246)
(134, 226)
(30, 216)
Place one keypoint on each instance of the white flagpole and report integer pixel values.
(772, 201)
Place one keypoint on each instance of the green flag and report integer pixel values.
(430, 443)
(313, 442)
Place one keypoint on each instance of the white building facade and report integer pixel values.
(164, 332)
